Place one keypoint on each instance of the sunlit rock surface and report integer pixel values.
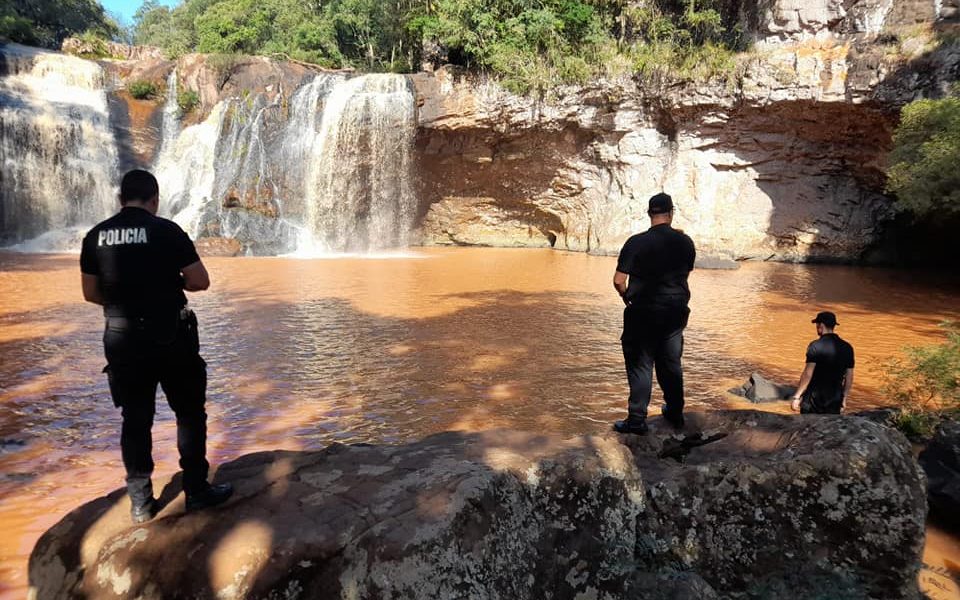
(783, 160)
(781, 507)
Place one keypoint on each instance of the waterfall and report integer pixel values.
(58, 156)
(327, 172)
(170, 125)
(185, 169)
(358, 191)
(225, 177)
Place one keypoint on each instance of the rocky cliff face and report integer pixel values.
(782, 161)
(780, 508)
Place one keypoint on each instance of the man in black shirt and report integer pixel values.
(137, 265)
(828, 375)
(651, 278)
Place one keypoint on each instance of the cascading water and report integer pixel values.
(329, 173)
(358, 191)
(185, 166)
(58, 155)
(326, 170)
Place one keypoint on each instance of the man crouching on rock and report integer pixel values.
(651, 278)
(137, 265)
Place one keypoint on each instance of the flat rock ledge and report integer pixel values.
(741, 504)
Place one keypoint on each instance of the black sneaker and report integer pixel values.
(677, 421)
(142, 513)
(635, 427)
(211, 496)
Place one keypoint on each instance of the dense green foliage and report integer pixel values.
(926, 383)
(47, 22)
(924, 173)
(188, 100)
(142, 90)
(531, 45)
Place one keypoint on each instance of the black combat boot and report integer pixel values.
(211, 495)
(141, 513)
(674, 419)
(143, 507)
(628, 426)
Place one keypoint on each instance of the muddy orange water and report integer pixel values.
(306, 352)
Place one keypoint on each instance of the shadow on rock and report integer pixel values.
(504, 514)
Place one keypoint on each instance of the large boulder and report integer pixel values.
(941, 461)
(741, 505)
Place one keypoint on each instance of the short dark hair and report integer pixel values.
(138, 185)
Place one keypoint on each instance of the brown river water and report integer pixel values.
(303, 353)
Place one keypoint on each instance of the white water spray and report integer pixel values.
(58, 155)
(358, 191)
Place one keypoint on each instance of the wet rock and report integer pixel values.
(884, 416)
(503, 514)
(941, 462)
(670, 586)
(488, 222)
(218, 246)
(717, 263)
(11, 445)
(761, 389)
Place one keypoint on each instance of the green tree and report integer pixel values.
(924, 174)
(531, 45)
(48, 22)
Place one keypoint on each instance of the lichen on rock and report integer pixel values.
(775, 506)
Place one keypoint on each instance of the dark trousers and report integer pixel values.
(643, 354)
(142, 353)
(821, 402)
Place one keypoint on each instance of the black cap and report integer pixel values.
(827, 318)
(660, 204)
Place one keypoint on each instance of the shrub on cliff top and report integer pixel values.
(142, 90)
(188, 100)
(47, 23)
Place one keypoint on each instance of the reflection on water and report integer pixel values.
(306, 352)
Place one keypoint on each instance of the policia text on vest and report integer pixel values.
(116, 237)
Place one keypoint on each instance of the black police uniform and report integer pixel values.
(150, 338)
(833, 356)
(658, 262)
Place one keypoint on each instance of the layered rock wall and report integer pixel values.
(783, 160)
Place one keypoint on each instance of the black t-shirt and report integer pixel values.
(658, 262)
(138, 258)
(833, 356)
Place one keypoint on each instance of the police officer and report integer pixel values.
(651, 278)
(137, 266)
(827, 376)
